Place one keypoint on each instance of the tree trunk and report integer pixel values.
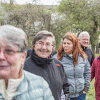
(11, 2)
(93, 48)
(97, 50)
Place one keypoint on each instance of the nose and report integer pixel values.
(2, 56)
(44, 46)
(66, 44)
(86, 40)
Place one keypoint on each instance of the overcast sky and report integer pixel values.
(44, 2)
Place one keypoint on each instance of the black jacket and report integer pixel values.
(51, 70)
(29, 52)
(89, 53)
(53, 53)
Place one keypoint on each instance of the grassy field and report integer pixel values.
(91, 93)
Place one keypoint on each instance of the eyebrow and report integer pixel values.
(9, 46)
(43, 42)
(39, 41)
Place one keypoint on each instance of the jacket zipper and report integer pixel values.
(74, 79)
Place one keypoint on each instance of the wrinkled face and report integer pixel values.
(84, 41)
(43, 47)
(67, 45)
(10, 60)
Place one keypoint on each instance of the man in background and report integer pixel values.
(84, 39)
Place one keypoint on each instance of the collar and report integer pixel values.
(70, 55)
(42, 62)
(12, 87)
(83, 47)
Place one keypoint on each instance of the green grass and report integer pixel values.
(96, 55)
(91, 93)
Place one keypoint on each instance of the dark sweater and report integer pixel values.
(89, 53)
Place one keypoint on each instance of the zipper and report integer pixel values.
(75, 79)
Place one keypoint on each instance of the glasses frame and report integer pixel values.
(40, 43)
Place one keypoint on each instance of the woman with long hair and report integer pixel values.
(76, 66)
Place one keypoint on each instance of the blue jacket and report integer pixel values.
(78, 76)
(32, 87)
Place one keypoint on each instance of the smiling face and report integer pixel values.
(11, 60)
(67, 45)
(43, 47)
(84, 40)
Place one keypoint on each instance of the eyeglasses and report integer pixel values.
(85, 39)
(46, 44)
(10, 52)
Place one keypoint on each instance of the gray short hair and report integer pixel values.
(43, 34)
(14, 36)
(84, 33)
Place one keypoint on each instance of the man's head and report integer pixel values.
(44, 43)
(84, 38)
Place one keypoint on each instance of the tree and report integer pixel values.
(31, 18)
(11, 2)
(84, 14)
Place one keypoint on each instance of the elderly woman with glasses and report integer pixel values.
(43, 64)
(15, 83)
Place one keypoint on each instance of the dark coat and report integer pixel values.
(53, 53)
(95, 72)
(89, 53)
(29, 52)
(51, 70)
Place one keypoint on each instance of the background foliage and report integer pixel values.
(91, 93)
(70, 15)
(83, 15)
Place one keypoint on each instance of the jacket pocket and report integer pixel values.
(79, 85)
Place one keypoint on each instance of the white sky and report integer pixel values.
(44, 2)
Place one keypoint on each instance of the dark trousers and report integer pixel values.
(81, 97)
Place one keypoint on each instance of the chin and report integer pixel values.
(66, 51)
(85, 45)
(44, 56)
(3, 74)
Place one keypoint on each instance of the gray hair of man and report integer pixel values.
(84, 33)
(43, 35)
(14, 36)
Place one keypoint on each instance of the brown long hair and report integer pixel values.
(76, 48)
